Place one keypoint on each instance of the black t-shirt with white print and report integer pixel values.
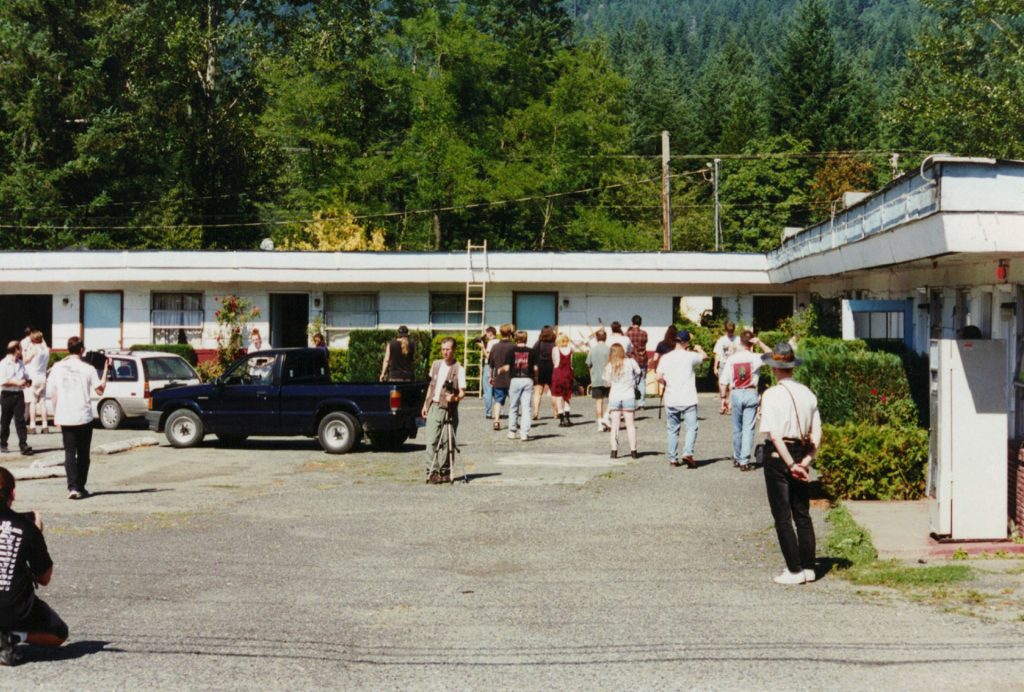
(23, 557)
(521, 361)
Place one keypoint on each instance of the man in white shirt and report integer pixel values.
(743, 369)
(790, 419)
(13, 381)
(726, 345)
(446, 389)
(71, 385)
(676, 372)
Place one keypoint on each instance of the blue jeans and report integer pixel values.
(744, 416)
(687, 416)
(520, 404)
(485, 386)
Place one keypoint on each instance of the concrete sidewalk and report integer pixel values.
(900, 530)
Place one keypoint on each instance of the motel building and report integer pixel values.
(937, 249)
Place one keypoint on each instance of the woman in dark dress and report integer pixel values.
(545, 366)
(398, 365)
(561, 379)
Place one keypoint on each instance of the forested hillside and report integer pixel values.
(534, 124)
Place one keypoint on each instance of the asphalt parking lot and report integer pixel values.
(273, 565)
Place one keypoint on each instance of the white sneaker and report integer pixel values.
(511, 435)
(809, 575)
(789, 578)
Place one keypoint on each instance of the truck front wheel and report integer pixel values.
(184, 428)
(338, 432)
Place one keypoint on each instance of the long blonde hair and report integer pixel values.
(616, 358)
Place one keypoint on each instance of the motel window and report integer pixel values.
(882, 326)
(447, 310)
(347, 311)
(177, 318)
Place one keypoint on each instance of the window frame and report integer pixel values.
(193, 331)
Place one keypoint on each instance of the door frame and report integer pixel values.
(81, 314)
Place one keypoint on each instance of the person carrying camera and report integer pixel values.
(71, 384)
(24, 564)
(446, 389)
(13, 382)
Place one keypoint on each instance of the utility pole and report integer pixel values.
(666, 209)
(718, 208)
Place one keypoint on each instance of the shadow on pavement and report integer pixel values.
(128, 492)
(66, 653)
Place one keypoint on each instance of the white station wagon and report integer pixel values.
(133, 375)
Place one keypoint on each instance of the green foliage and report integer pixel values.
(960, 90)
(209, 370)
(366, 354)
(849, 383)
(861, 461)
(56, 356)
(234, 315)
(848, 543)
(770, 337)
(337, 359)
(580, 371)
(183, 350)
(895, 574)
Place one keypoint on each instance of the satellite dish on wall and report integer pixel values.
(266, 244)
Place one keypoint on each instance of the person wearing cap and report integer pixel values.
(675, 372)
(743, 369)
(398, 355)
(792, 425)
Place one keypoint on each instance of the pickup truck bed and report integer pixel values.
(288, 392)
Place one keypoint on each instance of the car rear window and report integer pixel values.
(168, 368)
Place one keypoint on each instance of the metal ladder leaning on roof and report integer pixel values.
(476, 297)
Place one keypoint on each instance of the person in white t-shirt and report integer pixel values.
(743, 368)
(71, 384)
(36, 360)
(790, 419)
(617, 337)
(726, 345)
(676, 372)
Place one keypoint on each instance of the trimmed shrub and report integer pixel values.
(366, 353)
(873, 462)
(183, 350)
(580, 371)
(56, 356)
(824, 344)
(770, 337)
(849, 384)
(337, 359)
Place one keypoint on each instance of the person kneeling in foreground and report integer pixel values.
(24, 564)
(789, 417)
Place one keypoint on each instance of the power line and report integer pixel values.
(382, 215)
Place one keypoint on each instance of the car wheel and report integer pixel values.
(389, 441)
(232, 440)
(111, 414)
(338, 432)
(184, 429)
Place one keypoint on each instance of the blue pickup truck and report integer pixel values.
(288, 392)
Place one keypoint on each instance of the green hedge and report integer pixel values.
(366, 353)
(770, 337)
(873, 462)
(580, 371)
(337, 359)
(848, 384)
(183, 350)
(56, 356)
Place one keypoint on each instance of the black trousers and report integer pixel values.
(77, 440)
(790, 502)
(12, 405)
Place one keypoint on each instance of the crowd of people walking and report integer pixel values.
(517, 374)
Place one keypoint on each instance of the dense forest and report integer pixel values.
(533, 124)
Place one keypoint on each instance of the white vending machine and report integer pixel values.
(967, 445)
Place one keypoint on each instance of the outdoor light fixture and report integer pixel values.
(65, 301)
(565, 302)
(316, 302)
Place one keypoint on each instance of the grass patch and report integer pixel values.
(848, 544)
(894, 574)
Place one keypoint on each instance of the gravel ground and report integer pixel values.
(279, 567)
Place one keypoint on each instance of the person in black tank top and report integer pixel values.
(398, 358)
